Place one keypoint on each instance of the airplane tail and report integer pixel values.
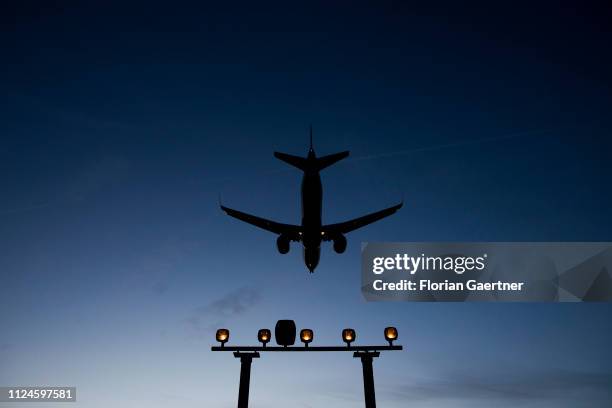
(303, 163)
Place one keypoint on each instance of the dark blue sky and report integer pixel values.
(121, 125)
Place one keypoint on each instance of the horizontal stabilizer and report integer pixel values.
(325, 161)
(295, 161)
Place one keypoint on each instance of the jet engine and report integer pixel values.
(282, 243)
(339, 243)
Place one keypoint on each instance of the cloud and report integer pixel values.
(207, 318)
(544, 388)
(160, 287)
(155, 269)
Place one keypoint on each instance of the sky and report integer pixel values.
(123, 125)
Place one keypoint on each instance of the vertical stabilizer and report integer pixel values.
(311, 149)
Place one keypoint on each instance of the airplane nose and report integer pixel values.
(311, 259)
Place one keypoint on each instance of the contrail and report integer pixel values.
(391, 154)
(25, 209)
(450, 145)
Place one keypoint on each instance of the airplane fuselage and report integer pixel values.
(312, 202)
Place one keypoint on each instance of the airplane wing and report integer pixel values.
(351, 225)
(272, 226)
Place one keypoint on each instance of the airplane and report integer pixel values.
(312, 231)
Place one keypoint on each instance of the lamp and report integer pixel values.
(390, 334)
(222, 336)
(306, 335)
(264, 336)
(348, 336)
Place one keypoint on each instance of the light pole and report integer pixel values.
(368, 376)
(285, 337)
(245, 376)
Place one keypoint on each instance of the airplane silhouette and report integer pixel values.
(311, 232)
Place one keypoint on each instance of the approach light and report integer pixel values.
(348, 336)
(222, 336)
(264, 336)
(306, 335)
(390, 334)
